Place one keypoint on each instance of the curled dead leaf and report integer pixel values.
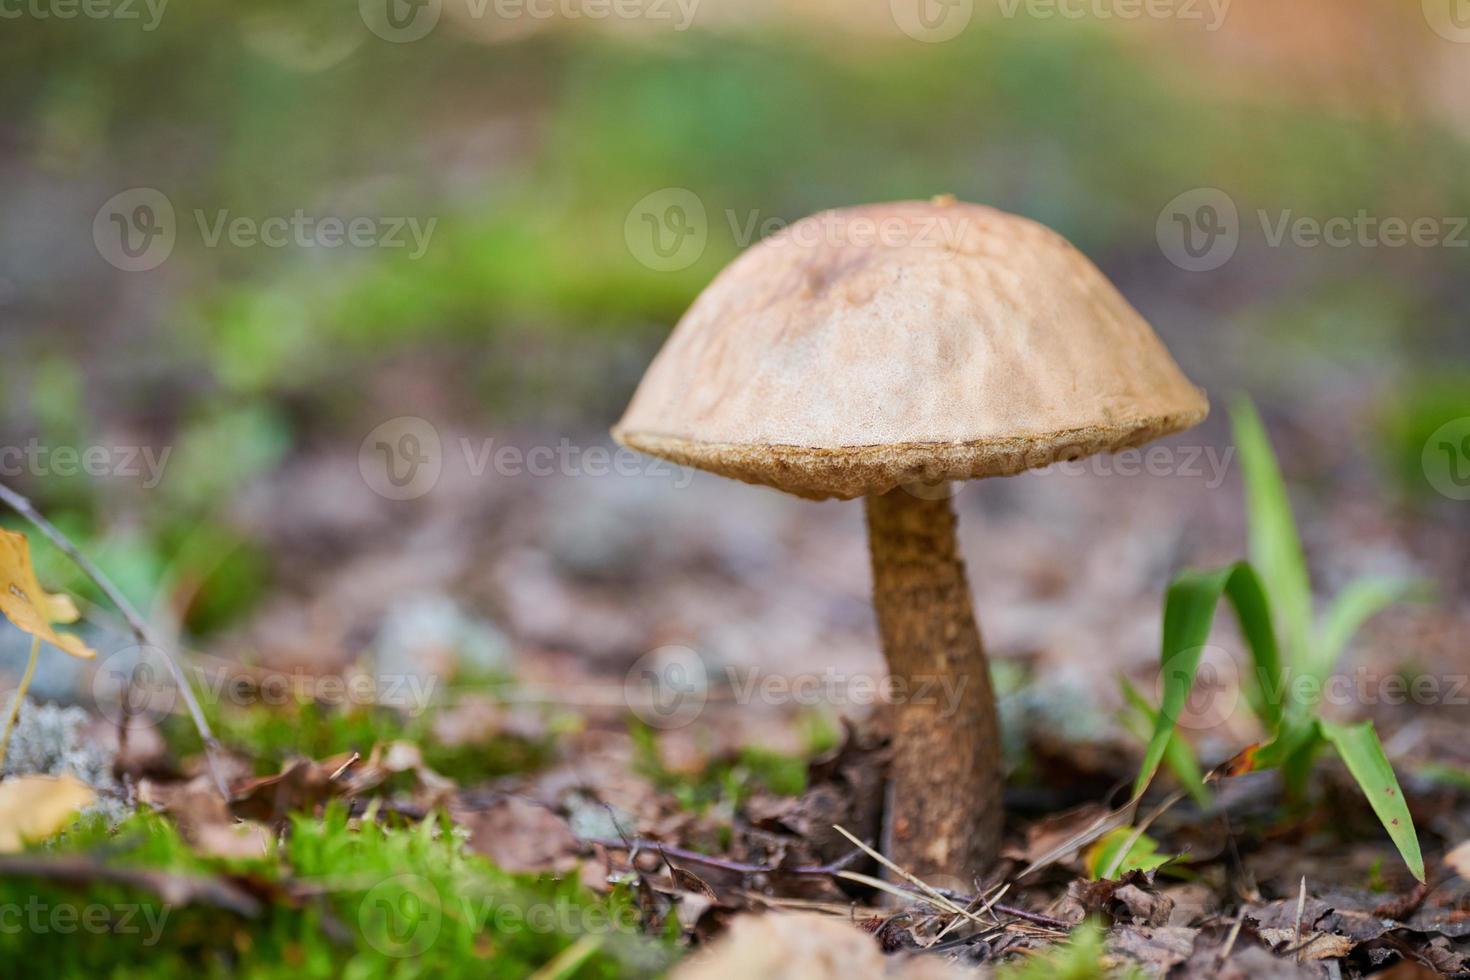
(1458, 860)
(1239, 764)
(27, 605)
(1312, 946)
(805, 946)
(33, 808)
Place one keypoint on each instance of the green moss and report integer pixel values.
(272, 734)
(725, 782)
(336, 901)
(1409, 416)
(1079, 958)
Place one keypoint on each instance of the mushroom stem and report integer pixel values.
(944, 812)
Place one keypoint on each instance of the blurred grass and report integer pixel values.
(375, 901)
(529, 155)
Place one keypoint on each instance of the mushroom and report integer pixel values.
(879, 352)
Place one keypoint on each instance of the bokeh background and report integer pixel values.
(539, 148)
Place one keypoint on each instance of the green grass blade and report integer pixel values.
(1362, 753)
(1295, 736)
(1354, 606)
(1266, 684)
(1179, 755)
(1275, 547)
(1108, 859)
(1189, 613)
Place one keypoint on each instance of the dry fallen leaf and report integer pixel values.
(205, 820)
(1458, 860)
(519, 835)
(1159, 949)
(33, 808)
(1312, 946)
(1239, 764)
(301, 785)
(27, 605)
(806, 946)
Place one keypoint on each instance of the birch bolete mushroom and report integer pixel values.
(871, 351)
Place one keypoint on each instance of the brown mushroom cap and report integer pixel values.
(869, 347)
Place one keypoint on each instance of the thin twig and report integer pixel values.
(1104, 824)
(1224, 953)
(723, 864)
(834, 869)
(1138, 833)
(565, 963)
(1301, 909)
(20, 696)
(945, 903)
(135, 622)
(1035, 918)
(888, 887)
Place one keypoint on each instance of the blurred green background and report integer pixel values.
(530, 140)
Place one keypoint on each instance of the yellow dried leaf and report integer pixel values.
(1458, 860)
(27, 605)
(33, 808)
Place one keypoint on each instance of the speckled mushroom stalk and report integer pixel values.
(961, 343)
(946, 738)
